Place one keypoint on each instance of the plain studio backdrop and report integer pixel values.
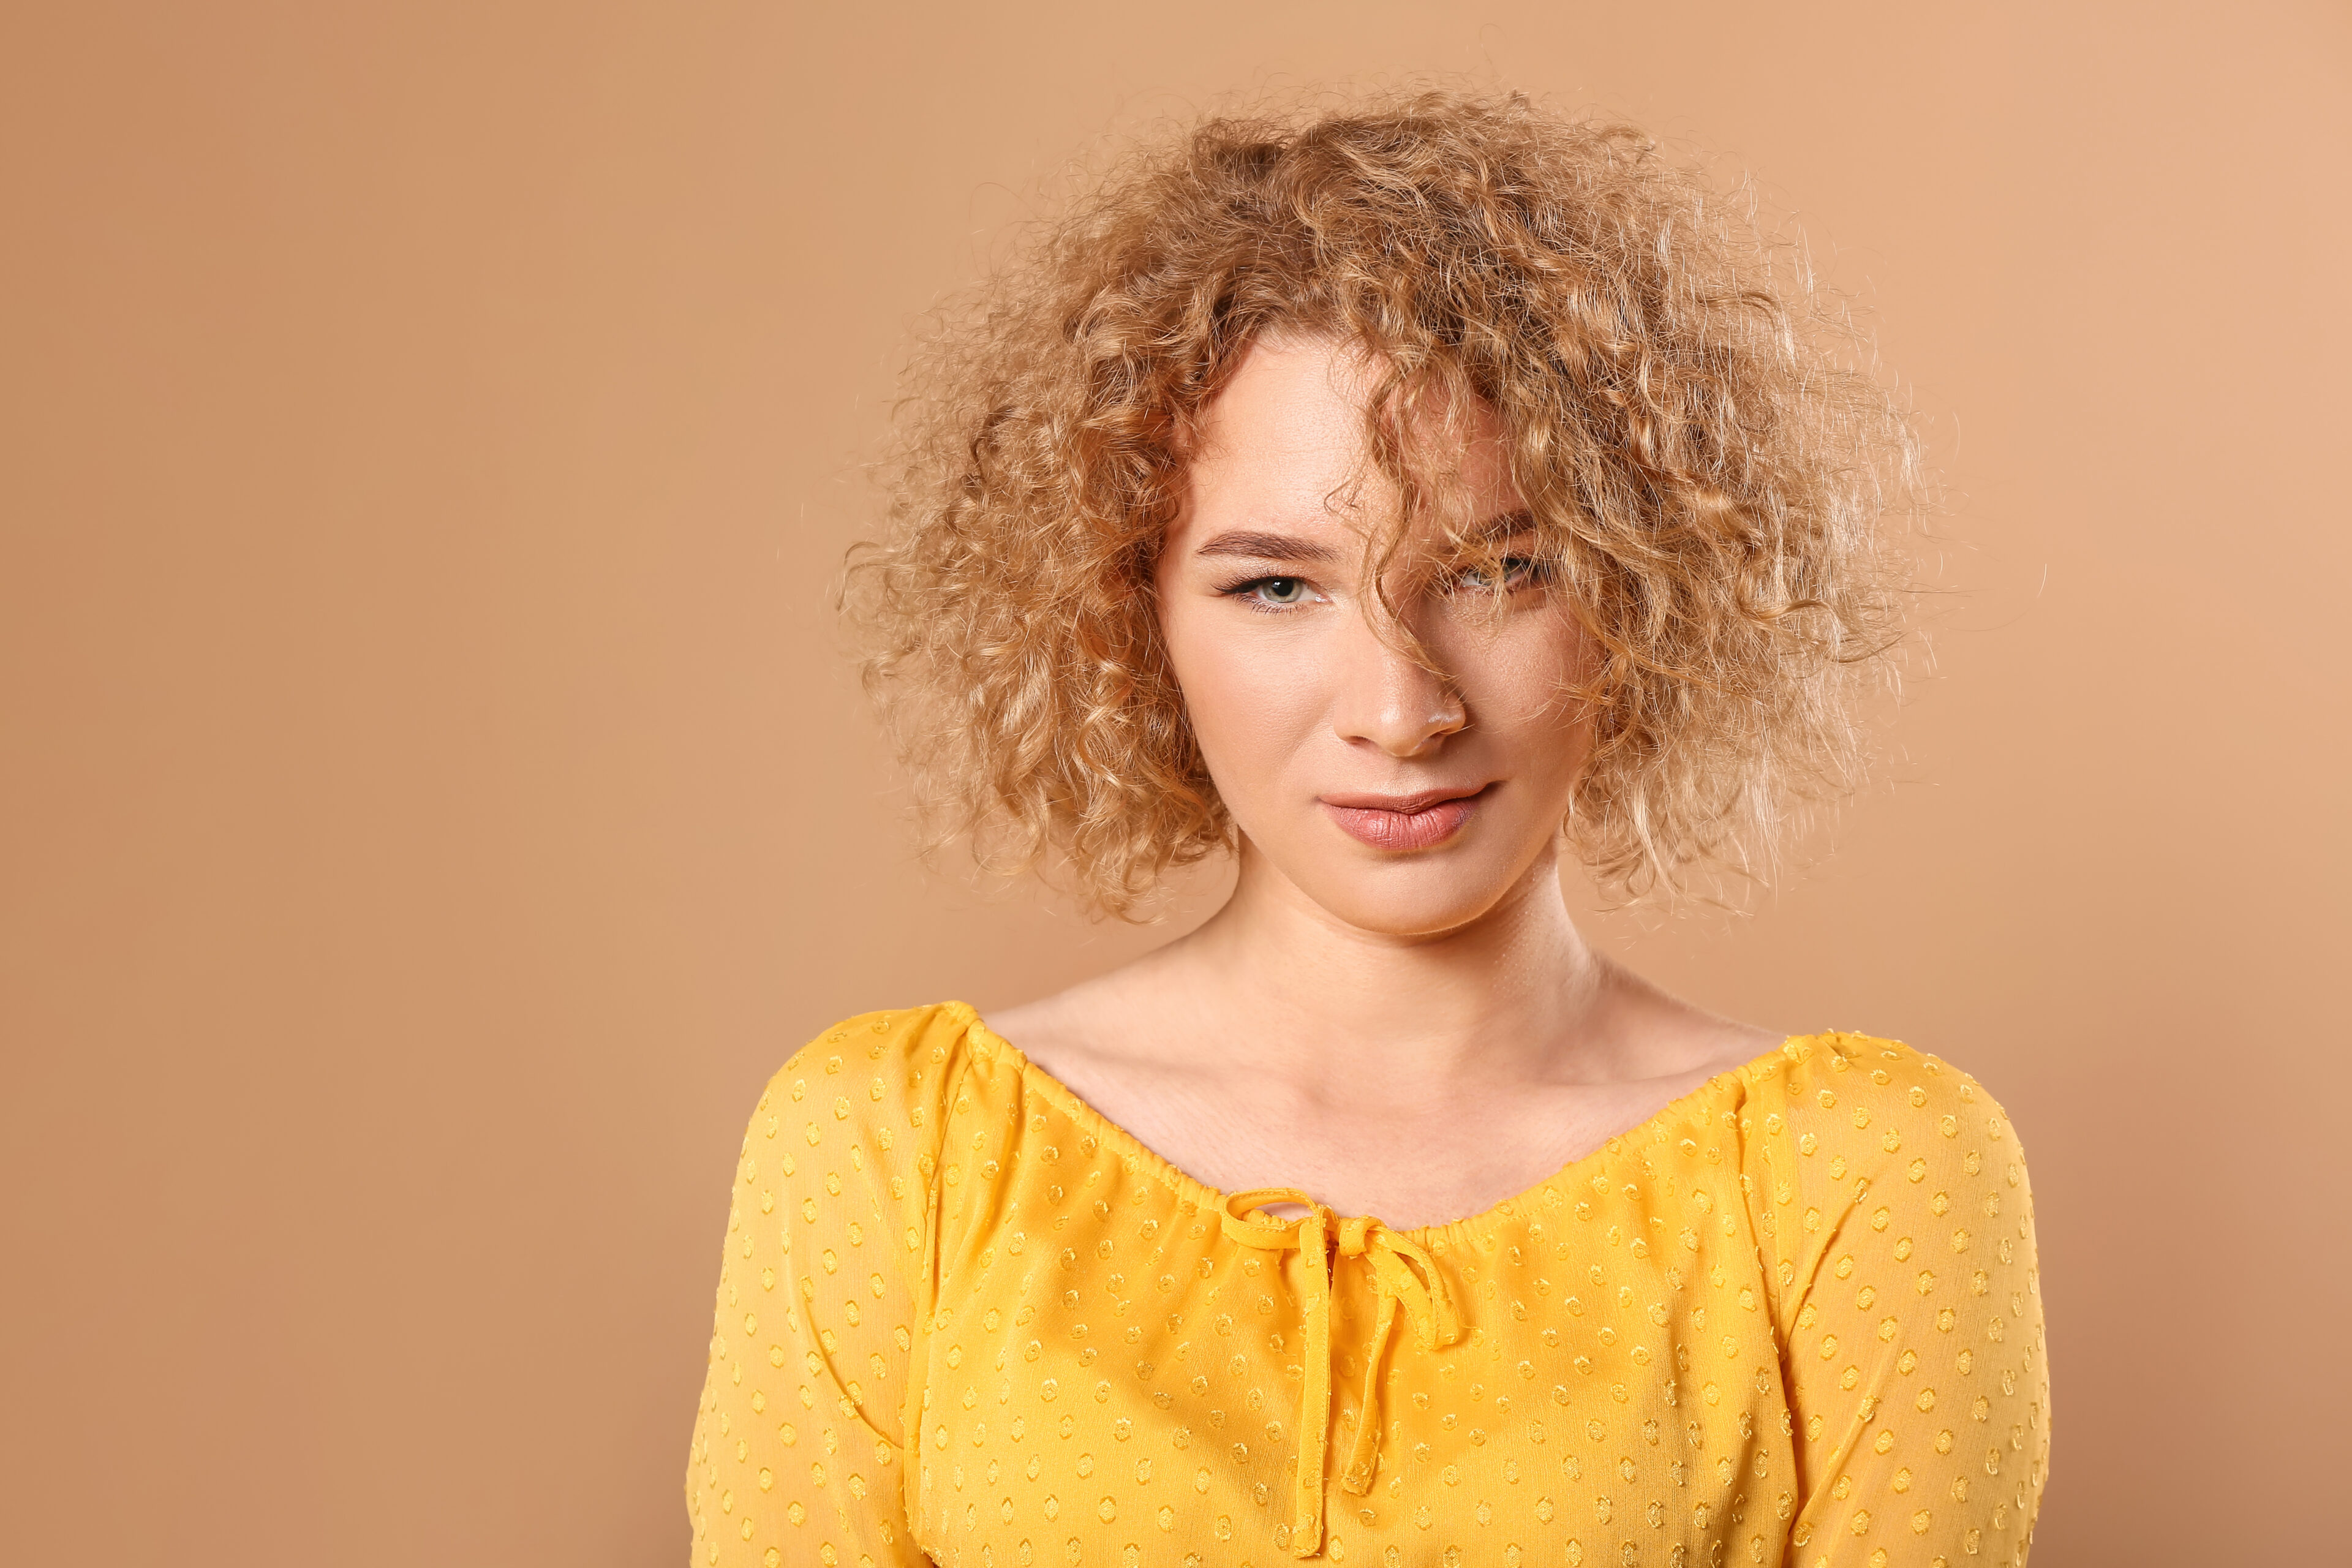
(433, 800)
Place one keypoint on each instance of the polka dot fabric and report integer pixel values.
(1792, 1318)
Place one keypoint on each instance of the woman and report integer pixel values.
(1395, 499)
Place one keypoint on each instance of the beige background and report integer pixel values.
(431, 801)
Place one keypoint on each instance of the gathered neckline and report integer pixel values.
(1200, 1194)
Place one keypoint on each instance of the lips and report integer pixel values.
(1404, 822)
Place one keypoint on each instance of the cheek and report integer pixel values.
(1518, 687)
(1253, 694)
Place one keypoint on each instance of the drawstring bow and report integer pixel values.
(1402, 1272)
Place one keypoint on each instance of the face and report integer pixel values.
(1399, 799)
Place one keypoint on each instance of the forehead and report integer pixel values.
(1285, 431)
(1284, 442)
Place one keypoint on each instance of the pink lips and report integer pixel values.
(1403, 822)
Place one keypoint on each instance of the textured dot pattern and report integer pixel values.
(1793, 1318)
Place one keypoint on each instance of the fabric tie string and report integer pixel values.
(1402, 1272)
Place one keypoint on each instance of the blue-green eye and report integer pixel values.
(1283, 591)
(1517, 571)
(1269, 594)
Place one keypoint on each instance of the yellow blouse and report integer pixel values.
(1791, 1317)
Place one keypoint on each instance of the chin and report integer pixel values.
(1424, 895)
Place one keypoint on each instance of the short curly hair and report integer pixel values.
(1692, 421)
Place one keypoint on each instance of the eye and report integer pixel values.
(1268, 594)
(1518, 571)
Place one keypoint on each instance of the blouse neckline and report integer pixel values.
(1201, 1195)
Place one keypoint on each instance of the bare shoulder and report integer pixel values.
(1119, 1043)
(1740, 1043)
(1043, 1028)
(1111, 1021)
(1663, 1036)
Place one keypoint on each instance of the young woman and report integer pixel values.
(1396, 499)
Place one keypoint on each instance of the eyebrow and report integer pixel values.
(1258, 546)
(1266, 546)
(1505, 524)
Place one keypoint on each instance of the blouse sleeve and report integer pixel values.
(800, 1448)
(1892, 1200)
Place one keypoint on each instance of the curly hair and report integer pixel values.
(1691, 421)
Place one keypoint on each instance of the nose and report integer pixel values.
(1386, 698)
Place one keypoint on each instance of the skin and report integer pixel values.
(1416, 1034)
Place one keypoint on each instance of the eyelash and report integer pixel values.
(1520, 570)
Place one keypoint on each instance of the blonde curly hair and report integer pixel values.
(1691, 420)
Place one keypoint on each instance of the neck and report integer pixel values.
(1507, 994)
